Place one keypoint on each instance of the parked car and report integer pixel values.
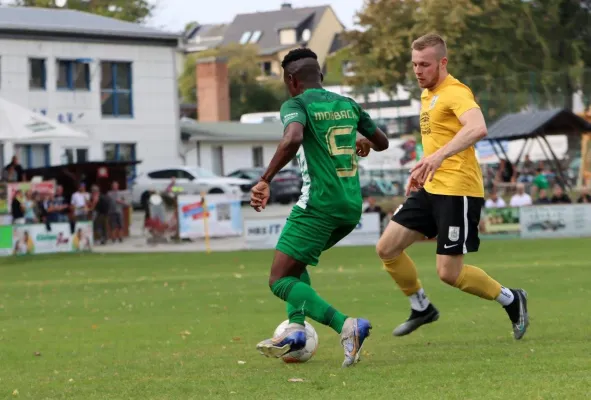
(378, 187)
(193, 180)
(286, 186)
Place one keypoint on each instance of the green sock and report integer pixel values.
(296, 315)
(302, 297)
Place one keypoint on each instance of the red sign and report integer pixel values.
(194, 211)
(103, 172)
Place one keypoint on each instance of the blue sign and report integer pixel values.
(64, 118)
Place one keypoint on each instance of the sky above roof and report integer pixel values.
(172, 15)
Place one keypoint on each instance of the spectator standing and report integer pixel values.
(541, 181)
(17, 208)
(30, 208)
(116, 204)
(100, 207)
(59, 208)
(17, 169)
(80, 203)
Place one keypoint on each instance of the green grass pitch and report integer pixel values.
(185, 326)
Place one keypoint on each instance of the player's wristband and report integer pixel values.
(265, 180)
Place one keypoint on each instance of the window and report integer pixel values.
(266, 68)
(347, 68)
(163, 174)
(73, 75)
(256, 37)
(169, 173)
(116, 93)
(122, 152)
(287, 36)
(217, 160)
(202, 173)
(37, 73)
(2, 160)
(244, 38)
(306, 35)
(33, 155)
(75, 156)
(182, 174)
(257, 157)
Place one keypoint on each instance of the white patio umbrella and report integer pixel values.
(18, 123)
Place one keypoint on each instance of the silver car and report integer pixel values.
(192, 180)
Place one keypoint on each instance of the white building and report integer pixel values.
(114, 80)
(399, 114)
(224, 147)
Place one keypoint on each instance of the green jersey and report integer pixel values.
(327, 157)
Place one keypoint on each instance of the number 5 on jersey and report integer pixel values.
(348, 168)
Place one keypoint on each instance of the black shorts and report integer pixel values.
(452, 219)
(116, 221)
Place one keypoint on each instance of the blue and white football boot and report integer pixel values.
(292, 339)
(354, 333)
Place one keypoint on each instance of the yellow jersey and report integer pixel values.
(441, 108)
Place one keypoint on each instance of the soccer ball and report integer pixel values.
(303, 355)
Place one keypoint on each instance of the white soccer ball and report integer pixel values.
(303, 355)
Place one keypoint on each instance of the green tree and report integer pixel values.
(247, 93)
(380, 50)
(190, 25)
(126, 10)
(512, 53)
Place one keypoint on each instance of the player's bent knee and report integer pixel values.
(447, 276)
(395, 239)
(449, 268)
(387, 250)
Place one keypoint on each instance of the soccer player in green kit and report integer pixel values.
(320, 128)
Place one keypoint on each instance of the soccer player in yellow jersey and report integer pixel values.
(446, 196)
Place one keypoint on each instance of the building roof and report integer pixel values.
(230, 131)
(530, 124)
(270, 22)
(338, 42)
(201, 37)
(34, 20)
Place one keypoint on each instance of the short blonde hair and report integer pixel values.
(431, 40)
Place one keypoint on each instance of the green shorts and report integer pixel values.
(307, 234)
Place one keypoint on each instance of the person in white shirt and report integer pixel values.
(79, 202)
(520, 198)
(495, 201)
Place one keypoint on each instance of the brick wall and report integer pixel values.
(213, 90)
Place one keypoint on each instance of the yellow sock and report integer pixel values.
(402, 269)
(475, 281)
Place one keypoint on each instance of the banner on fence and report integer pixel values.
(224, 216)
(39, 187)
(38, 239)
(264, 233)
(500, 221)
(83, 237)
(550, 221)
